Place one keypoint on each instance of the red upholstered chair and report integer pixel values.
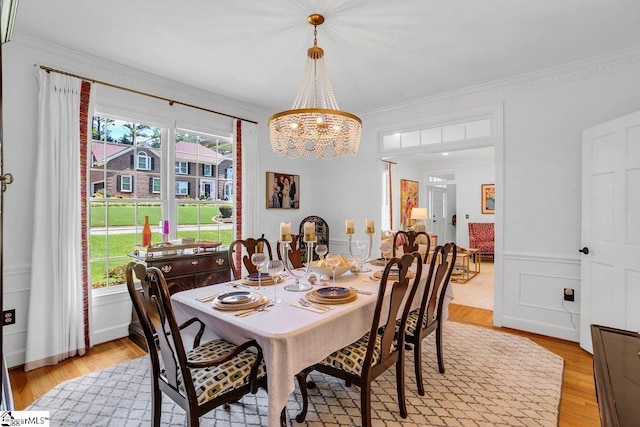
(481, 237)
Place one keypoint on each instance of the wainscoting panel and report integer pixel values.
(533, 294)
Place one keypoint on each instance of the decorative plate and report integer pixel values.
(256, 301)
(254, 276)
(333, 292)
(238, 297)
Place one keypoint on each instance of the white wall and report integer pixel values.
(468, 198)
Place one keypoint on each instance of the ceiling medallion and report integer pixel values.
(315, 127)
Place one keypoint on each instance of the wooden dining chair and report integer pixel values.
(295, 255)
(240, 252)
(211, 374)
(361, 362)
(428, 317)
(408, 240)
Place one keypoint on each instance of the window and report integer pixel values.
(182, 168)
(125, 183)
(144, 161)
(182, 188)
(206, 170)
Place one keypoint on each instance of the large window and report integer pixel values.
(129, 179)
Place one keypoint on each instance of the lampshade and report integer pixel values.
(8, 19)
(419, 213)
(315, 127)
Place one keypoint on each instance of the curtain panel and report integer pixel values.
(58, 299)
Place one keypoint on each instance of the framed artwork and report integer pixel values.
(409, 191)
(488, 198)
(283, 190)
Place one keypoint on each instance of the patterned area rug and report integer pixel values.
(491, 379)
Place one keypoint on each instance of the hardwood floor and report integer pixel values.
(578, 405)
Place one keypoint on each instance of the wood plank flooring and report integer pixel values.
(578, 407)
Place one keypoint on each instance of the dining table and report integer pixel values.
(292, 337)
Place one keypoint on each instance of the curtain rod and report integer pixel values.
(170, 101)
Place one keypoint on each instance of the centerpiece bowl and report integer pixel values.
(325, 269)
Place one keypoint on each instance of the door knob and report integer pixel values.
(584, 250)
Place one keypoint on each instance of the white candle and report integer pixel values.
(350, 228)
(370, 229)
(309, 232)
(285, 231)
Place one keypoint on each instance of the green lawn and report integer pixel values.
(124, 214)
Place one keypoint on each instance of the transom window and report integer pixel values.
(435, 135)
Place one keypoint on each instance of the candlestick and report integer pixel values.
(350, 228)
(285, 232)
(297, 287)
(309, 232)
(370, 229)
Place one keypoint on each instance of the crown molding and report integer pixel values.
(497, 90)
(93, 67)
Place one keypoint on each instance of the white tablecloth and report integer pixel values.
(291, 338)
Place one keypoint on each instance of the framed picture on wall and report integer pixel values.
(283, 190)
(488, 198)
(409, 192)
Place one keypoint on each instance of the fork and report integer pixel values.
(208, 298)
(358, 291)
(255, 310)
(313, 305)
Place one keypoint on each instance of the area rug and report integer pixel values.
(477, 292)
(492, 379)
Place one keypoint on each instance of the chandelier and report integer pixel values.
(315, 127)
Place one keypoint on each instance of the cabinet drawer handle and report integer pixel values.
(166, 268)
(220, 261)
(194, 262)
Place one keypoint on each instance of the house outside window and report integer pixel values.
(155, 185)
(206, 170)
(182, 168)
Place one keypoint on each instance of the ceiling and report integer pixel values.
(378, 52)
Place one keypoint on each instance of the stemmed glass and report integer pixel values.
(385, 247)
(362, 247)
(275, 267)
(258, 260)
(333, 260)
(321, 251)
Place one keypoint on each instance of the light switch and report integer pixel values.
(467, 216)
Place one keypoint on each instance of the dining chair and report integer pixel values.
(295, 254)
(242, 249)
(409, 241)
(428, 317)
(364, 360)
(211, 374)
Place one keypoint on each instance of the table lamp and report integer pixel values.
(419, 214)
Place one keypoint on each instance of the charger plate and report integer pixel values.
(265, 281)
(392, 275)
(257, 301)
(331, 292)
(313, 296)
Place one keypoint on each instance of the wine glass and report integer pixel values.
(275, 267)
(321, 251)
(385, 247)
(362, 247)
(258, 260)
(333, 260)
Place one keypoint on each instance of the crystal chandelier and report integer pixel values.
(315, 127)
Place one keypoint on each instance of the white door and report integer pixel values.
(437, 222)
(610, 271)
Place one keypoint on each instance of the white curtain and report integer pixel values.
(55, 319)
(252, 197)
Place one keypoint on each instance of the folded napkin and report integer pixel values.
(310, 308)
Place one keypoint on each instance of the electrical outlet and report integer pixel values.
(569, 294)
(9, 317)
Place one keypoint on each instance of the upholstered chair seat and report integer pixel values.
(351, 358)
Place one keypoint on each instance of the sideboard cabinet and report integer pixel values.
(181, 272)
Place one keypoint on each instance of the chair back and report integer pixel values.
(322, 235)
(408, 241)
(442, 263)
(239, 256)
(172, 350)
(295, 254)
(402, 292)
(141, 299)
